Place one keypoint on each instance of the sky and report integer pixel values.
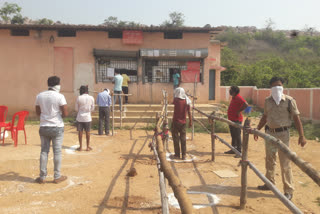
(286, 14)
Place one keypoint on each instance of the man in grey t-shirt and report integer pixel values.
(51, 106)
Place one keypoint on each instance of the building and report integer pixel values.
(88, 55)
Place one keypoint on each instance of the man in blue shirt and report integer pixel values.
(176, 79)
(117, 89)
(104, 102)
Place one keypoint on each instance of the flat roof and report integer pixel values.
(108, 28)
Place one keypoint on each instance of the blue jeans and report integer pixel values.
(119, 97)
(48, 134)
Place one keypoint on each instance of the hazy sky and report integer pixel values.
(287, 14)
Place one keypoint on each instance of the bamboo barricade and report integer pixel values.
(307, 168)
(303, 165)
(179, 190)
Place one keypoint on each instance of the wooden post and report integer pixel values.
(244, 165)
(193, 98)
(112, 115)
(213, 143)
(120, 107)
(165, 124)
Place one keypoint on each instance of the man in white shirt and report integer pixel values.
(84, 107)
(51, 106)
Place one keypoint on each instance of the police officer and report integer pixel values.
(278, 111)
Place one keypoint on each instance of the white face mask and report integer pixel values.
(56, 88)
(276, 93)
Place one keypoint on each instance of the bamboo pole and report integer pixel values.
(272, 187)
(303, 165)
(194, 95)
(112, 115)
(163, 193)
(213, 144)
(178, 189)
(203, 126)
(120, 107)
(244, 165)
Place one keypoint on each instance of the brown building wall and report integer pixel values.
(27, 62)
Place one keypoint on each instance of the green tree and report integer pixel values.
(44, 21)
(176, 20)
(18, 19)
(10, 12)
(113, 21)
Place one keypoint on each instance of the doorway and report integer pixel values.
(212, 84)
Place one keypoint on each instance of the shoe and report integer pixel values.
(174, 157)
(288, 196)
(184, 157)
(59, 180)
(237, 156)
(263, 187)
(229, 152)
(39, 180)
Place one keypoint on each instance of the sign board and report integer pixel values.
(132, 37)
(189, 76)
(110, 72)
(193, 66)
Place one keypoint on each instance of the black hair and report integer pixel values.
(84, 89)
(117, 71)
(235, 89)
(53, 81)
(275, 79)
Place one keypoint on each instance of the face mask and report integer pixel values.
(56, 88)
(276, 93)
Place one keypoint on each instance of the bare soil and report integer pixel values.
(97, 181)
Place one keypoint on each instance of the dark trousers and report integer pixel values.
(179, 134)
(236, 136)
(125, 90)
(104, 117)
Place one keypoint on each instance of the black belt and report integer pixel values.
(281, 129)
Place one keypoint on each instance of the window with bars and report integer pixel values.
(162, 70)
(106, 67)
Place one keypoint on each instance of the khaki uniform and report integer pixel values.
(279, 116)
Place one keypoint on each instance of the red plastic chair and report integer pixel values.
(3, 117)
(23, 115)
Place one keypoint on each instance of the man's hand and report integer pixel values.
(302, 141)
(256, 137)
(190, 123)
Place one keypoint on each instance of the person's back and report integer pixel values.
(50, 102)
(180, 110)
(125, 80)
(51, 106)
(176, 79)
(118, 79)
(104, 102)
(85, 105)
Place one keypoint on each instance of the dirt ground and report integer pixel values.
(97, 181)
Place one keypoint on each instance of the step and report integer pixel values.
(142, 119)
(158, 108)
(144, 113)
